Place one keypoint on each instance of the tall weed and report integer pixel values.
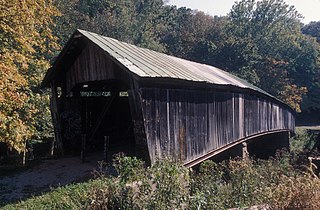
(169, 185)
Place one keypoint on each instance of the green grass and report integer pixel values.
(75, 196)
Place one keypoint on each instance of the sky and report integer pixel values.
(310, 9)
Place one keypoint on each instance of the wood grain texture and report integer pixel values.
(189, 124)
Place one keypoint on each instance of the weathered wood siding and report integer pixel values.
(91, 65)
(189, 124)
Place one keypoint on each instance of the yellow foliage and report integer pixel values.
(292, 95)
(25, 33)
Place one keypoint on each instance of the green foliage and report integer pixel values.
(238, 183)
(302, 141)
(161, 186)
(168, 185)
(208, 187)
(129, 168)
(297, 193)
(268, 49)
(245, 183)
(312, 29)
(69, 197)
(135, 21)
(187, 33)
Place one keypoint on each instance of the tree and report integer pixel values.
(187, 34)
(312, 29)
(71, 18)
(26, 42)
(264, 45)
(134, 21)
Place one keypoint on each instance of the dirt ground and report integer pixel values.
(45, 176)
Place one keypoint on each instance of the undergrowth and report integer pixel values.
(169, 185)
(275, 184)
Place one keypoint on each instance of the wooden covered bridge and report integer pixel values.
(153, 105)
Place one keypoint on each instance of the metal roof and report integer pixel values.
(151, 64)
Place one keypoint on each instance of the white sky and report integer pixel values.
(310, 9)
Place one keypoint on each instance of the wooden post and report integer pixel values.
(245, 153)
(106, 148)
(24, 153)
(83, 147)
(56, 118)
(288, 142)
(51, 147)
(138, 126)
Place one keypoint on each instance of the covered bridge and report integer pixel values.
(152, 104)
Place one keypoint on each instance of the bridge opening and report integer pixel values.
(265, 146)
(97, 119)
(260, 147)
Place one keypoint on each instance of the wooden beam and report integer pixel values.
(224, 148)
(56, 118)
(245, 153)
(138, 126)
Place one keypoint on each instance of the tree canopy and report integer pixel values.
(265, 46)
(135, 21)
(312, 29)
(26, 43)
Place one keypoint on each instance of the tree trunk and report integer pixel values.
(24, 154)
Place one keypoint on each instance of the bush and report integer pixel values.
(161, 186)
(168, 185)
(208, 188)
(245, 183)
(302, 141)
(302, 192)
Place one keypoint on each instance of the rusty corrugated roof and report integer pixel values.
(147, 63)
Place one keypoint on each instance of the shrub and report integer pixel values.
(245, 183)
(168, 185)
(208, 189)
(302, 192)
(161, 186)
(302, 141)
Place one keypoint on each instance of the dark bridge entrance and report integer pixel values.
(98, 112)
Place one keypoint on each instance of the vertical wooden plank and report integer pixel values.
(138, 125)
(188, 124)
(168, 123)
(183, 126)
(210, 123)
(56, 118)
(171, 97)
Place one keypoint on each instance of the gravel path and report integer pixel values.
(45, 176)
